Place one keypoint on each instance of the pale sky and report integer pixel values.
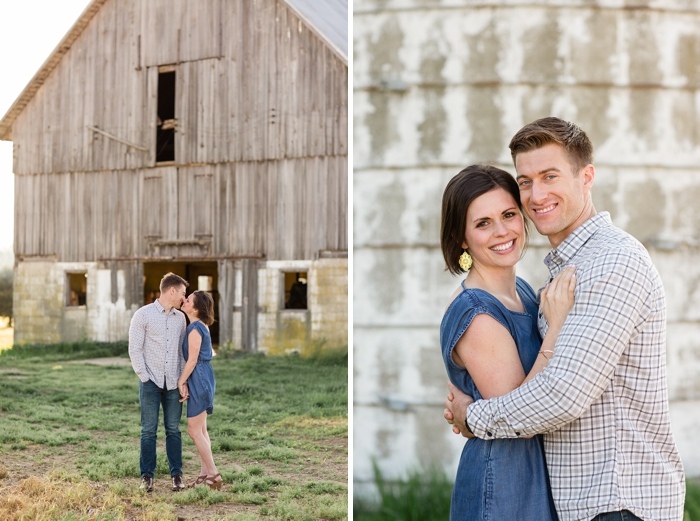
(29, 31)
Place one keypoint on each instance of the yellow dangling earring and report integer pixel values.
(465, 261)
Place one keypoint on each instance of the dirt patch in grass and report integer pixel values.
(106, 361)
(308, 476)
(255, 488)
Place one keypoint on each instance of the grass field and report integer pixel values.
(69, 440)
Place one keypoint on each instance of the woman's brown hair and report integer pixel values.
(203, 304)
(460, 192)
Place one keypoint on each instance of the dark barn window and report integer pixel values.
(76, 289)
(295, 290)
(165, 134)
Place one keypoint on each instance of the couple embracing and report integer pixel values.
(563, 395)
(172, 361)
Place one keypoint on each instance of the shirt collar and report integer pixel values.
(160, 307)
(562, 254)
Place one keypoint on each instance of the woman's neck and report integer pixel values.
(499, 282)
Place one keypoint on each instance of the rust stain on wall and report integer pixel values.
(645, 205)
(384, 61)
(542, 62)
(686, 202)
(488, 141)
(641, 113)
(484, 51)
(591, 57)
(644, 55)
(592, 114)
(386, 274)
(433, 129)
(688, 56)
(381, 125)
(685, 119)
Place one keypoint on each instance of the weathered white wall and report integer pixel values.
(42, 317)
(324, 323)
(441, 84)
(39, 304)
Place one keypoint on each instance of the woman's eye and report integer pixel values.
(508, 215)
(481, 224)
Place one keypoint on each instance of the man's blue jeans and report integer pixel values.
(625, 515)
(151, 398)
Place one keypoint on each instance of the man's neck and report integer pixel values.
(166, 306)
(558, 238)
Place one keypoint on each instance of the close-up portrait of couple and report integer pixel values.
(525, 254)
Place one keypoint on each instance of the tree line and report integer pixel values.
(6, 280)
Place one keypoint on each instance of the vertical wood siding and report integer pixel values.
(289, 209)
(261, 138)
(253, 83)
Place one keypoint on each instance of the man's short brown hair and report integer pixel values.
(170, 280)
(570, 137)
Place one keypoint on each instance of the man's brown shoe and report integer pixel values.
(178, 485)
(147, 483)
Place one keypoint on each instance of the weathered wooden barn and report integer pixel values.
(206, 138)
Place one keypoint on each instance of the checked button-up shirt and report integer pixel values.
(602, 401)
(155, 344)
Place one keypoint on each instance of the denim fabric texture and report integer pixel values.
(624, 515)
(497, 479)
(151, 397)
(201, 382)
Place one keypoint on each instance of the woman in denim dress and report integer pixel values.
(197, 383)
(490, 342)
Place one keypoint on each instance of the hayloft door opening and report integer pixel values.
(165, 133)
(203, 276)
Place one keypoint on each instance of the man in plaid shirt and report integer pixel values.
(156, 333)
(602, 402)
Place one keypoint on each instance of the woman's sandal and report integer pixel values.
(200, 479)
(212, 483)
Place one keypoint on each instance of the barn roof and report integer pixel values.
(328, 19)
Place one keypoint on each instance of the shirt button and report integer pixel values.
(517, 433)
(488, 433)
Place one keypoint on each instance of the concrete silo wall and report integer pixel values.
(442, 84)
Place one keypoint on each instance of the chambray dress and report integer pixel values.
(201, 382)
(503, 479)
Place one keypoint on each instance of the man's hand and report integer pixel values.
(456, 410)
(184, 391)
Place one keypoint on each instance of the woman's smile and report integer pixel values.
(503, 247)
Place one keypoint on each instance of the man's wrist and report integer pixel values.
(466, 422)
